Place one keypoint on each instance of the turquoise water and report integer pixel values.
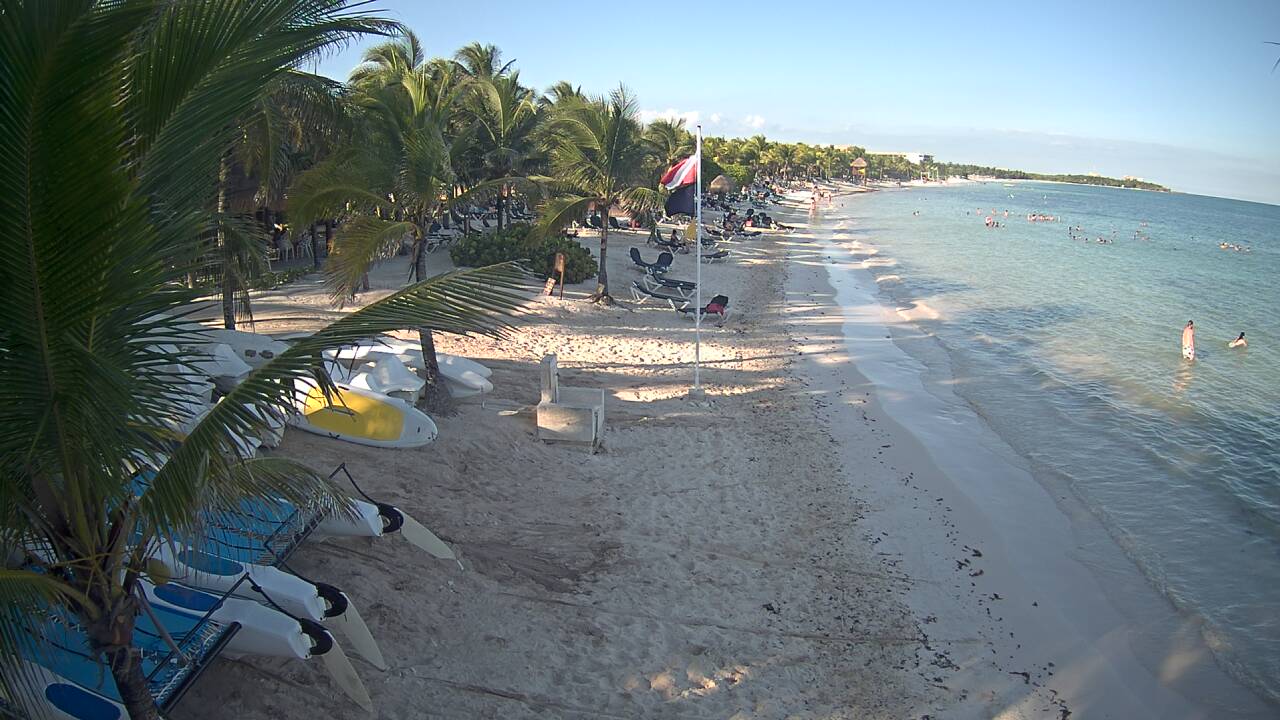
(1070, 349)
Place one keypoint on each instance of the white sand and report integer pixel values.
(777, 552)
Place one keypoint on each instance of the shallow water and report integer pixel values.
(1069, 349)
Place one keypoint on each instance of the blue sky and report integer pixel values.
(1181, 93)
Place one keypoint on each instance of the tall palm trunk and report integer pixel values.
(126, 670)
(501, 210)
(315, 247)
(228, 262)
(435, 395)
(601, 294)
(112, 631)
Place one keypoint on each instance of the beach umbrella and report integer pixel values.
(721, 185)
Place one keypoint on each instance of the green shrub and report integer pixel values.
(517, 242)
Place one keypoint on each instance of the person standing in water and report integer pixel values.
(1238, 342)
(1189, 340)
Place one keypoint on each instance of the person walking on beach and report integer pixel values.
(1238, 342)
(1189, 340)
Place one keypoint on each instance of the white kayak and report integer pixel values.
(464, 373)
(462, 369)
(465, 376)
(361, 416)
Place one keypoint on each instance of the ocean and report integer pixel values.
(1069, 349)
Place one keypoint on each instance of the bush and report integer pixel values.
(517, 242)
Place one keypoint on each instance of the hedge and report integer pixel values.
(517, 242)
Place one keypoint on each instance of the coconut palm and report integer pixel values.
(560, 93)
(506, 121)
(482, 62)
(117, 116)
(668, 141)
(296, 119)
(393, 182)
(598, 159)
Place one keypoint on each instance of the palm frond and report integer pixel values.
(24, 595)
(336, 187)
(360, 243)
(559, 212)
(184, 105)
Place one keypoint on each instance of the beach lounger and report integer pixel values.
(659, 266)
(684, 288)
(640, 293)
(719, 305)
(712, 257)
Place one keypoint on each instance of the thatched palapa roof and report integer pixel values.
(721, 185)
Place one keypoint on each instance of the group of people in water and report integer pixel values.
(1233, 246)
(1189, 341)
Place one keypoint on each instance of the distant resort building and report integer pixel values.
(915, 158)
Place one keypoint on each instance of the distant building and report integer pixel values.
(915, 158)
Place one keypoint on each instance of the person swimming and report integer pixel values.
(1238, 342)
(1189, 340)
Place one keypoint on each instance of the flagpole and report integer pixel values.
(697, 249)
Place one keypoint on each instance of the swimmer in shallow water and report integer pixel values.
(1238, 342)
(1189, 340)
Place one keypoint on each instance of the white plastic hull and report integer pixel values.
(53, 697)
(263, 630)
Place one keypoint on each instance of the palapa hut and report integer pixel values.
(722, 185)
(859, 168)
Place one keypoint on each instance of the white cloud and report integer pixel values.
(754, 122)
(690, 117)
(715, 118)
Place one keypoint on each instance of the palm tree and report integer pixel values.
(117, 117)
(560, 93)
(296, 119)
(482, 62)
(598, 159)
(668, 141)
(391, 184)
(506, 118)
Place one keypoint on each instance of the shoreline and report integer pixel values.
(1108, 615)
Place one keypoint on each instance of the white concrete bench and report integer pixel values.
(569, 414)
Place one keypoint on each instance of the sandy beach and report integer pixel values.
(783, 550)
